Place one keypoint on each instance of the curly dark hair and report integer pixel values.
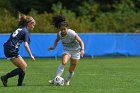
(59, 21)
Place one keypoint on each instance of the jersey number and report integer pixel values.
(16, 32)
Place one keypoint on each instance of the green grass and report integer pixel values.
(97, 75)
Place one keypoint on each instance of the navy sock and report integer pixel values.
(13, 73)
(21, 78)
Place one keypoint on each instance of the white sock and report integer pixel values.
(60, 70)
(69, 76)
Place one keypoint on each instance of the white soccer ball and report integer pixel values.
(59, 81)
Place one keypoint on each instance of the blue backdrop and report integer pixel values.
(95, 45)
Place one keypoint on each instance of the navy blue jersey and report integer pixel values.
(17, 37)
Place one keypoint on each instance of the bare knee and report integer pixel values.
(19, 62)
(23, 64)
(64, 63)
(24, 67)
(65, 59)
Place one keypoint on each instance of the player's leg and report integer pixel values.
(21, 64)
(60, 70)
(71, 71)
(75, 56)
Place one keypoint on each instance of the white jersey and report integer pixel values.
(69, 42)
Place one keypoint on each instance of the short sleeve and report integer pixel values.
(72, 33)
(27, 37)
(58, 34)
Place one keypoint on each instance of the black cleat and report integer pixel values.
(4, 81)
(19, 84)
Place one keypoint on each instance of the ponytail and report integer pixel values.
(24, 20)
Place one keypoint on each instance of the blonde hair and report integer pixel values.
(24, 20)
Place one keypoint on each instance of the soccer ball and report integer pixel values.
(58, 81)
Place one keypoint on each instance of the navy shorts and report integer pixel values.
(11, 52)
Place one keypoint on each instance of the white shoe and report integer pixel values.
(67, 83)
(51, 81)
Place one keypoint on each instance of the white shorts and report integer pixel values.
(74, 54)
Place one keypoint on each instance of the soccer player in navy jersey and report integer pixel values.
(11, 48)
(73, 47)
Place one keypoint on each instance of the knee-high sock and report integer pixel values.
(14, 72)
(69, 76)
(60, 70)
(21, 78)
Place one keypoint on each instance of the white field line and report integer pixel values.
(110, 75)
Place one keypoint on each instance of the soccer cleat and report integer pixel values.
(51, 81)
(67, 83)
(19, 84)
(4, 81)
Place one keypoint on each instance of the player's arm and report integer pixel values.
(26, 45)
(55, 43)
(28, 50)
(81, 44)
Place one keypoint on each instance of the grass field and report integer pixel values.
(97, 75)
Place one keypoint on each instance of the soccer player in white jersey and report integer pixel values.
(73, 47)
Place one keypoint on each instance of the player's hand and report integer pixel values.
(51, 48)
(82, 53)
(32, 58)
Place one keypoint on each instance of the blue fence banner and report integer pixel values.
(96, 44)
